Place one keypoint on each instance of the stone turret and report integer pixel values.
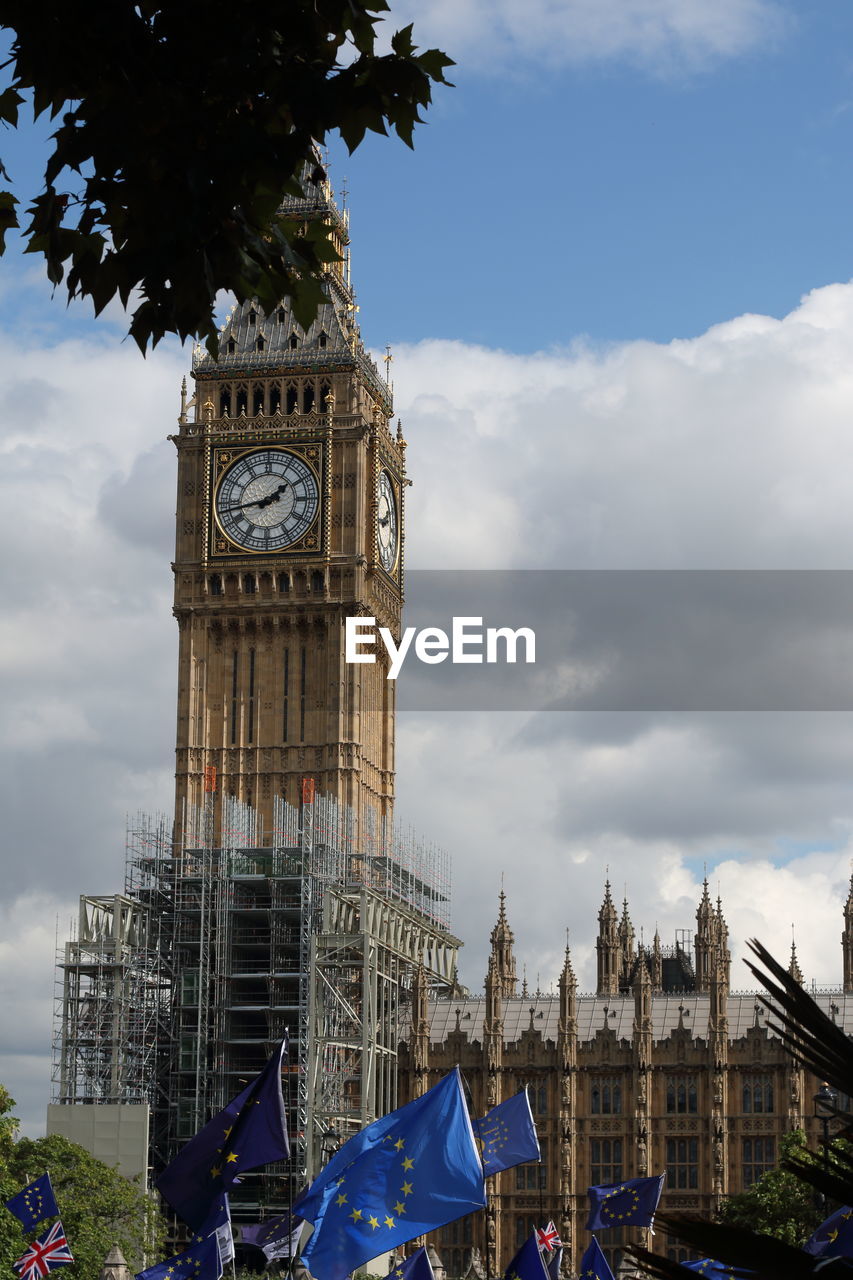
(607, 947)
(626, 946)
(703, 943)
(502, 957)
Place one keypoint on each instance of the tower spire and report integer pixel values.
(502, 957)
(607, 946)
(794, 964)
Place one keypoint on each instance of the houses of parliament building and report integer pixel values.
(663, 1068)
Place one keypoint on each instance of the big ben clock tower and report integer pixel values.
(289, 520)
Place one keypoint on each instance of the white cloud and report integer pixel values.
(661, 36)
(730, 450)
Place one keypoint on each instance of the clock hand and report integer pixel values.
(387, 520)
(259, 502)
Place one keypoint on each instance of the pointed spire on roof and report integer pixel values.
(567, 977)
(720, 919)
(607, 911)
(704, 911)
(794, 965)
(502, 939)
(642, 976)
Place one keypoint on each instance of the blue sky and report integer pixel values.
(613, 200)
(615, 272)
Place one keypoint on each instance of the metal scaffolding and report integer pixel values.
(362, 962)
(175, 992)
(114, 984)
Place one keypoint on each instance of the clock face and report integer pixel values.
(387, 536)
(267, 500)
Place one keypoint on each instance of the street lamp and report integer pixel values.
(824, 1108)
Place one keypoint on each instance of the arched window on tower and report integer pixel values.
(284, 582)
(215, 584)
(318, 582)
(259, 344)
(324, 338)
(294, 342)
(232, 346)
(242, 398)
(258, 401)
(252, 316)
(291, 400)
(308, 398)
(224, 403)
(275, 398)
(325, 392)
(281, 315)
(249, 584)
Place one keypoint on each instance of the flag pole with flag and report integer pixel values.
(201, 1261)
(48, 1251)
(250, 1132)
(508, 1135)
(418, 1170)
(528, 1263)
(624, 1204)
(35, 1203)
(594, 1265)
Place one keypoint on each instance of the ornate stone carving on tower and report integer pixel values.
(289, 519)
(607, 947)
(703, 943)
(503, 956)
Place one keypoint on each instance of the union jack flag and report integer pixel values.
(548, 1237)
(48, 1251)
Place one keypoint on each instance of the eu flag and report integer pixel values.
(715, 1270)
(594, 1265)
(278, 1237)
(508, 1135)
(624, 1204)
(424, 1172)
(200, 1262)
(527, 1263)
(834, 1237)
(417, 1267)
(251, 1131)
(218, 1221)
(35, 1203)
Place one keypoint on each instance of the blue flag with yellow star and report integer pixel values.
(834, 1237)
(424, 1172)
(35, 1203)
(714, 1270)
(200, 1262)
(508, 1135)
(251, 1131)
(527, 1263)
(594, 1265)
(624, 1204)
(417, 1267)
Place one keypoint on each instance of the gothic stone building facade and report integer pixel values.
(664, 1067)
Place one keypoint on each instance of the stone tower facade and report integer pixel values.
(290, 503)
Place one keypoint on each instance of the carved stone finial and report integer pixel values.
(115, 1266)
